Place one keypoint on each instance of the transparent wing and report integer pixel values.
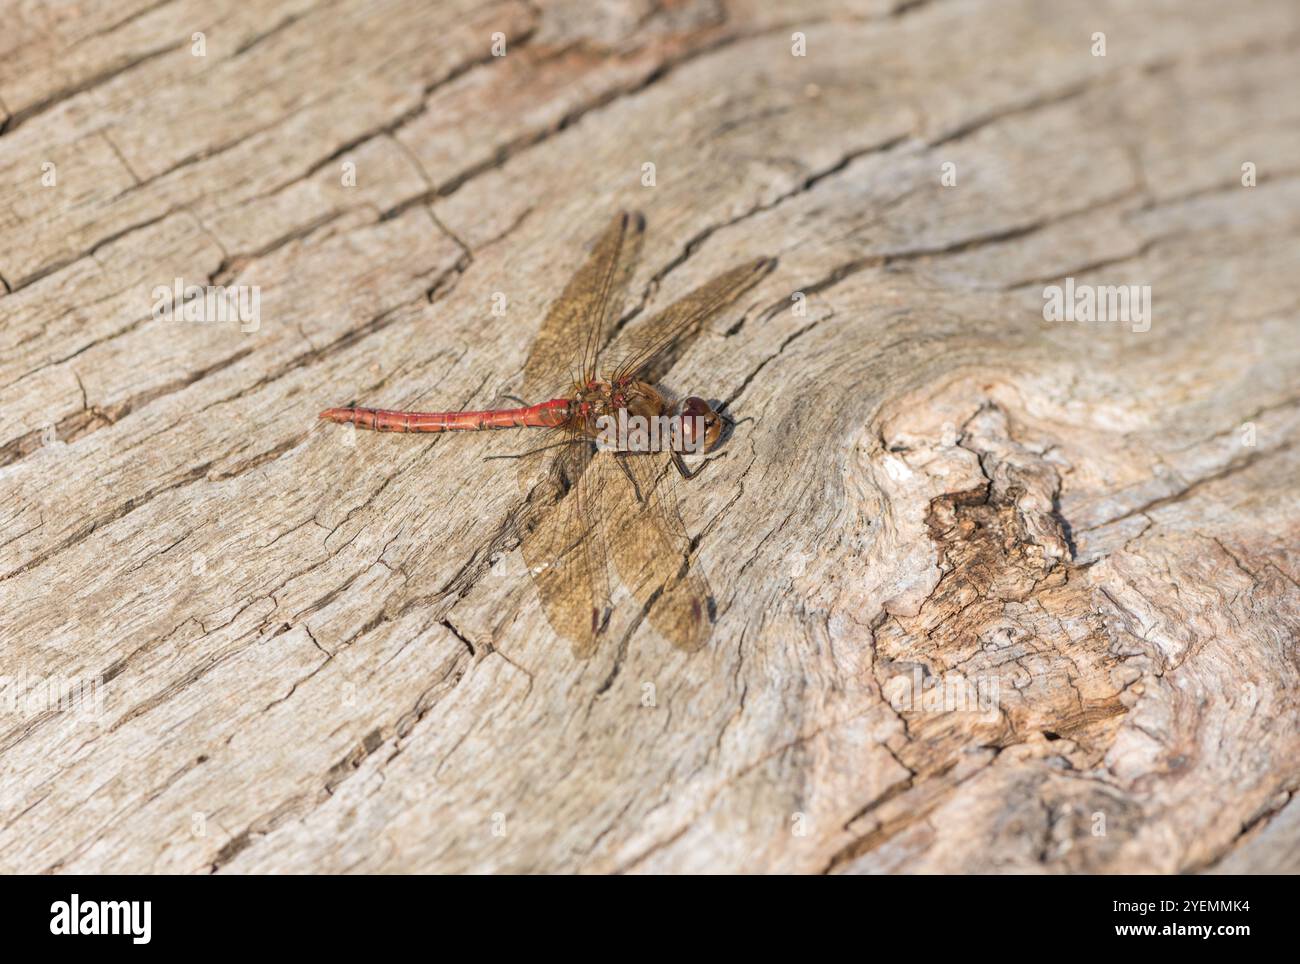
(681, 320)
(573, 331)
(650, 545)
(561, 538)
(560, 527)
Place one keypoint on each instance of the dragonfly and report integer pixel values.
(585, 501)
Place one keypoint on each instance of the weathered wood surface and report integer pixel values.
(319, 656)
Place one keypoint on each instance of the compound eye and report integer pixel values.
(696, 407)
(696, 412)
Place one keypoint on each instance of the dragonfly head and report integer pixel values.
(695, 408)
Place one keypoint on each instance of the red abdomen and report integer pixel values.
(550, 414)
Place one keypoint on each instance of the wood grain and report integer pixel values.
(310, 650)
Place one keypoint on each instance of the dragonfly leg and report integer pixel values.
(620, 459)
(540, 448)
(683, 469)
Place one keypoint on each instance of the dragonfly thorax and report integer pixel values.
(598, 403)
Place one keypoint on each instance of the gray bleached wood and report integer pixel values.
(322, 653)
